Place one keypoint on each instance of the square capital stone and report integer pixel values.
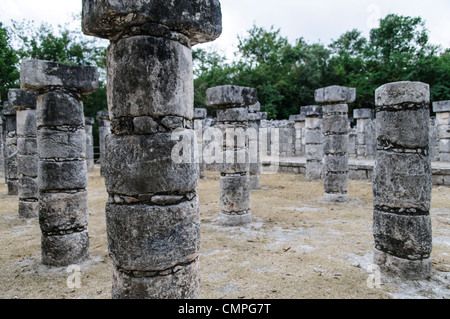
(335, 94)
(21, 100)
(441, 106)
(199, 20)
(36, 75)
(402, 92)
(230, 95)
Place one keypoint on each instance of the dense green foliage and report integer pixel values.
(285, 74)
(9, 75)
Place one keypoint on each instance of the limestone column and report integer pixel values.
(402, 181)
(152, 215)
(89, 122)
(27, 156)
(335, 143)
(199, 128)
(2, 155)
(299, 130)
(10, 149)
(62, 169)
(313, 141)
(363, 118)
(254, 123)
(104, 129)
(442, 110)
(232, 104)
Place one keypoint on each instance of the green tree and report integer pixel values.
(9, 74)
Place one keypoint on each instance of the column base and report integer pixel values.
(28, 209)
(235, 220)
(65, 250)
(336, 198)
(181, 282)
(404, 268)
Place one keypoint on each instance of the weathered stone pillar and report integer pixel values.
(402, 180)
(62, 170)
(299, 148)
(363, 119)
(313, 141)
(199, 128)
(152, 214)
(442, 110)
(254, 123)
(27, 156)
(335, 143)
(2, 155)
(232, 104)
(89, 122)
(10, 149)
(104, 129)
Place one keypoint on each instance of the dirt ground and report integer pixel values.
(297, 247)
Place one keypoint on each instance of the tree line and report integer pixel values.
(285, 74)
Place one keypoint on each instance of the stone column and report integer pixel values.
(254, 123)
(104, 129)
(10, 149)
(199, 128)
(402, 180)
(299, 131)
(313, 141)
(442, 110)
(152, 214)
(89, 122)
(335, 143)
(232, 104)
(363, 119)
(27, 156)
(61, 140)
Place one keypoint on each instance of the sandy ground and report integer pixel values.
(297, 247)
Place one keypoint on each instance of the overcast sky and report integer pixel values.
(318, 20)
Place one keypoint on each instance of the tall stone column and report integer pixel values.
(89, 122)
(199, 128)
(299, 132)
(254, 123)
(313, 140)
(232, 104)
(10, 149)
(402, 181)
(62, 170)
(152, 214)
(442, 110)
(335, 143)
(104, 129)
(27, 156)
(363, 119)
(2, 155)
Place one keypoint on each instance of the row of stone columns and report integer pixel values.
(442, 110)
